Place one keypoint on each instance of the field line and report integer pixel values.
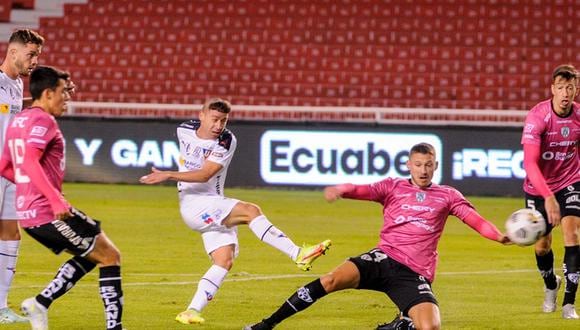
(236, 277)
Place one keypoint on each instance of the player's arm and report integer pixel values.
(484, 227)
(32, 169)
(531, 161)
(347, 190)
(6, 169)
(206, 172)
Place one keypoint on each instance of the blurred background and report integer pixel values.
(323, 91)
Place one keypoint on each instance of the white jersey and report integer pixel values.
(194, 151)
(11, 94)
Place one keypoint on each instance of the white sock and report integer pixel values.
(268, 233)
(8, 257)
(207, 287)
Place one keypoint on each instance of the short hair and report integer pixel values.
(26, 36)
(218, 104)
(423, 148)
(43, 78)
(566, 71)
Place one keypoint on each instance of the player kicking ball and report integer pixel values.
(206, 150)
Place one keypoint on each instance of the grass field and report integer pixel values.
(480, 284)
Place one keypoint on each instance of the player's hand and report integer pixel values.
(553, 210)
(61, 209)
(156, 176)
(503, 239)
(332, 193)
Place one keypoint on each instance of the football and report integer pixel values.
(524, 227)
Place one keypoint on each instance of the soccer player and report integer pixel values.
(207, 148)
(33, 158)
(552, 184)
(24, 47)
(403, 264)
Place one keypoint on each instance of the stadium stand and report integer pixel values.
(450, 54)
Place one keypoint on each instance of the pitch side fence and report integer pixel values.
(479, 159)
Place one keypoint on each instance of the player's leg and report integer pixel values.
(77, 235)
(426, 315)
(251, 214)
(9, 247)
(345, 276)
(222, 248)
(569, 200)
(545, 257)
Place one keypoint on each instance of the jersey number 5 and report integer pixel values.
(17, 152)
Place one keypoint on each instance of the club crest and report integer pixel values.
(420, 196)
(565, 131)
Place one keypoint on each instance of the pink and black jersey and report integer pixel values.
(35, 128)
(414, 219)
(558, 140)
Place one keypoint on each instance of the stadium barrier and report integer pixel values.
(477, 160)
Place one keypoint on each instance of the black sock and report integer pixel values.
(571, 273)
(112, 295)
(67, 276)
(546, 267)
(302, 299)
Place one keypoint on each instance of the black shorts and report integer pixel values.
(77, 234)
(404, 287)
(568, 199)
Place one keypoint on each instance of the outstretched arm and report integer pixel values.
(531, 160)
(32, 169)
(484, 227)
(347, 190)
(208, 170)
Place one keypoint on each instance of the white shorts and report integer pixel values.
(205, 214)
(7, 200)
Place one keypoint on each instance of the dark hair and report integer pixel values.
(423, 148)
(45, 77)
(566, 71)
(217, 104)
(26, 36)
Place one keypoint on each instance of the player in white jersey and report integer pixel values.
(24, 47)
(207, 148)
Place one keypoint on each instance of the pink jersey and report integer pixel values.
(36, 128)
(414, 219)
(558, 140)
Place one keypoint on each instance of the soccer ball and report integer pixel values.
(525, 227)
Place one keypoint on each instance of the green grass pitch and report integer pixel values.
(480, 284)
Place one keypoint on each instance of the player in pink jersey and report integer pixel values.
(403, 264)
(33, 158)
(552, 184)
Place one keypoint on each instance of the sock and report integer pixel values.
(8, 257)
(268, 233)
(67, 276)
(207, 287)
(302, 299)
(112, 295)
(546, 267)
(571, 273)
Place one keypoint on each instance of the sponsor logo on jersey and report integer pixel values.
(38, 131)
(529, 128)
(4, 108)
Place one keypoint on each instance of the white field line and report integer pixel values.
(250, 277)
